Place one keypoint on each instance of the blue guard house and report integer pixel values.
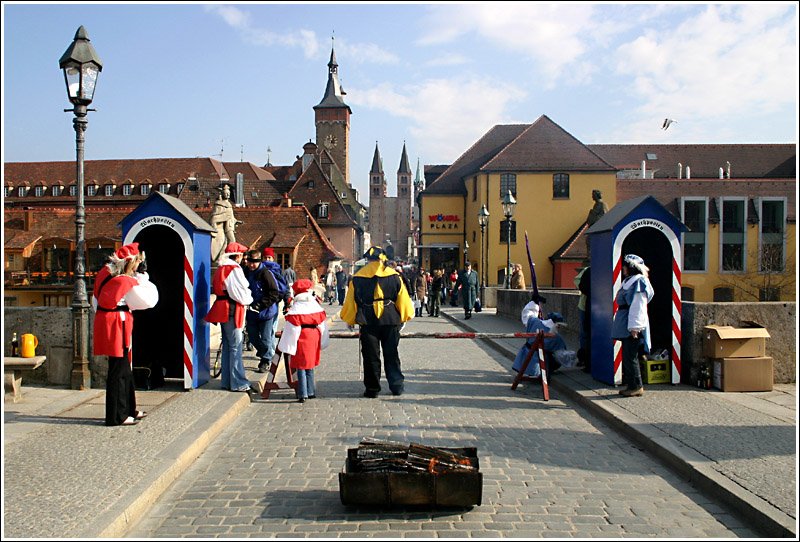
(171, 340)
(644, 227)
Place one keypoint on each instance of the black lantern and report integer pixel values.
(81, 66)
(508, 203)
(483, 220)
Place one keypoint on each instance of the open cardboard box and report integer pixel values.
(748, 341)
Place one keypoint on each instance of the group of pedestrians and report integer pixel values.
(336, 280)
(249, 286)
(248, 294)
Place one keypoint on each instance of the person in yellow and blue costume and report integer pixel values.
(378, 301)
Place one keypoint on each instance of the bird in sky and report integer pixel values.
(667, 123)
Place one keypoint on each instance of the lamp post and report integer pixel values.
(483, 220)
(508, 203)
(81, 66)
(466, 249)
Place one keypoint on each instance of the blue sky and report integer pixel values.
(188, 80)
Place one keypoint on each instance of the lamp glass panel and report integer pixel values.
(72, 73)
(90, 72)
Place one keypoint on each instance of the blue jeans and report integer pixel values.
(262, 336)
(273, 343)
(305, 383)
(233, 376)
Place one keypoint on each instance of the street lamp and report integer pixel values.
(508, 203)
(483, 220)
(81, 66)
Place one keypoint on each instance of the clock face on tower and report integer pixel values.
(330, 141)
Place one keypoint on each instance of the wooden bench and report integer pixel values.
(12, 370)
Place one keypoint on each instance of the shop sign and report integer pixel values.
(443, 222)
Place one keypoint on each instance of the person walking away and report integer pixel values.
(263, 311)
(378, 301)
(304, 336)
(233, 295)
(468, 281)
(436, 291)
(330, 286)
(517, 278)
(341, 284)
(631, 324)
(420, 290)
(288, 274)
(120, 288)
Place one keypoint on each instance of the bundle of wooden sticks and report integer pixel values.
(375, 455)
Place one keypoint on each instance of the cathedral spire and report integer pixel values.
(377, 163)
(404, 166)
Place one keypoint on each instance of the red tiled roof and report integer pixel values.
(50, 223)
(747, 160)
(261, 225)
(545, 146)
(483, 150)
(171, 170)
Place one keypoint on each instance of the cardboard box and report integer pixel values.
(749, 341)
(743, 374)
(656, 371)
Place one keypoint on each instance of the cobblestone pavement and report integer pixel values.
(550, 469)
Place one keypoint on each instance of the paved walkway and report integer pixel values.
(66, 474)
(742, 447)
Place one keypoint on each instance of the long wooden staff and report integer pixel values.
(536, 297)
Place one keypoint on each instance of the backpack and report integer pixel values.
(280, 280)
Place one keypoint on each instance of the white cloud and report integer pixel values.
(446, 116)
(553, 35)
(242, 21)
(716, 68)
(304, 39)
(361, 53)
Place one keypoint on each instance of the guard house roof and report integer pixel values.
(622, 209)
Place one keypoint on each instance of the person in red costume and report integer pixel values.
(233, 297)
(120, 288)
(304, 336)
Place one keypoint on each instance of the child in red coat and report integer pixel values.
(304, 336)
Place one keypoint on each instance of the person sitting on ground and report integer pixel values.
(551, 344)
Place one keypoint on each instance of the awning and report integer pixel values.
(440, 245)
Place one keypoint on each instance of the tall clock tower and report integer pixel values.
(332, 119)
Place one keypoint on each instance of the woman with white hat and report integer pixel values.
(631, 324)
(120, 288)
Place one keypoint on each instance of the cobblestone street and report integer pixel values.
(550, 469)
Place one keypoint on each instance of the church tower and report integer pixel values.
(377, 200)
(405, 198)
(332, 120)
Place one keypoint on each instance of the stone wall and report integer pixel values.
(779, 318)
(53, 327)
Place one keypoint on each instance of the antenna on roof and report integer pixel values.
(269, 152)
(241, 154)
(221, 148)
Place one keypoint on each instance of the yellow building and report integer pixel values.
(741, 240)
(552, 186)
